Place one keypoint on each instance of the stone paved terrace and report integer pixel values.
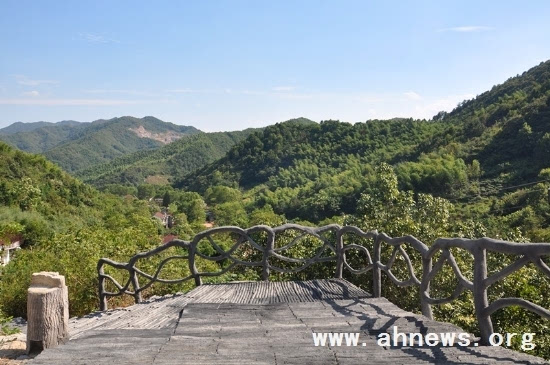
(260, 323)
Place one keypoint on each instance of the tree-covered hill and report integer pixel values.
(27, 127)
(66, 226)
(43, 198)
(164, 164)
(507, 128)
(40, 137)
(314, 171)
(77, 146)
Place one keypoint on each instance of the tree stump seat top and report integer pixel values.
(260, 323)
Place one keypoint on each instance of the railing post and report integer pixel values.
(425, 287)
(101, 287)
(339, 254)
(269, 245)
(192, 266)
(480, 294)
(135, 284)
(376, 274)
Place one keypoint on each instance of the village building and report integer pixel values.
(6, 246)
(164, 218)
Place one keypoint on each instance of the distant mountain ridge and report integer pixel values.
(75, 146)
(27, 127)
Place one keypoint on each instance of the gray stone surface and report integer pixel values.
(261, 323)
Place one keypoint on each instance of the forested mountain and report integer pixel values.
(78, 146)
(315, 171)
(164, 164)
(300, 166)
(507, 128)
(40, 137)
(27, 127)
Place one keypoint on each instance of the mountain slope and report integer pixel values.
(264, 154)
(41, 196)
(78, 146)
(169, 162)
(66, 226)
(27, 127)
(499, 139)
(507, 128)
(41, 136)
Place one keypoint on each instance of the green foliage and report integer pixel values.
(40, 137)
(398, 213)
(66, 227)
(265, 216)
(230, 214)
(174, 160)
(222, 194)
(440, 175)
(76, 146)
(5, 328)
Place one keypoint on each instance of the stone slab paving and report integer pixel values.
(262, 323)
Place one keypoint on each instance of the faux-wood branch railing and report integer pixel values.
(336, 247)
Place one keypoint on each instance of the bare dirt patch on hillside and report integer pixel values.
(167, 137)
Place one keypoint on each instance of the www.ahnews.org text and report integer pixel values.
(396, 338)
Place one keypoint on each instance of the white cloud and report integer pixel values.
(467, 29)
(97, 38)
(67, 102)
(252, 92)
(294, 96)
(24, 80)
(31, 93)
(411, 95)
(182, 91)
(118, 91)
(283, 88)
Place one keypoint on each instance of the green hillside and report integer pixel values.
(40, 137)
(27, 127)
(66, 226)
(505, 128)
(166, 163)
(81, 145)
(106, 140)
(312, 172)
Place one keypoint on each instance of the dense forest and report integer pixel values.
(66, 225)
(75, 146)
(482, 169)
(164, 164)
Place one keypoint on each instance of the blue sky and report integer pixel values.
(228, 65)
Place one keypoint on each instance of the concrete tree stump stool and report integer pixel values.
(47, 311)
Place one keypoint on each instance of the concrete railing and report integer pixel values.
(269, 255)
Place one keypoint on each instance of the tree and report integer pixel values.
(387, 209)
(222, 194)
(196, 211)
(166, 199)
(230, 214)
(27, 194)
(145, 191)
